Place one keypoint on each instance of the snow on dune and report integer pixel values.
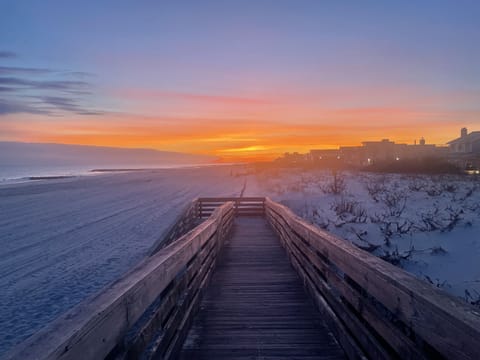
(62, 240)
(428, 225)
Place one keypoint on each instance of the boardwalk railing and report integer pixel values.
(375, 308)
(200, 209)
(146, 313)
(244, 206)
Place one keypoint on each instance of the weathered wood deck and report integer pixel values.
(255, 306)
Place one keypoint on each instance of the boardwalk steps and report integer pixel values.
(367, 306)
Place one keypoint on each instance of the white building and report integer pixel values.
(466, 143)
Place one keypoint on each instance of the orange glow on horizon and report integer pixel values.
(262, 134)
(229, 82)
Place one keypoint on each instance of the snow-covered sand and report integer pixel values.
(428, 225)
(62, 240)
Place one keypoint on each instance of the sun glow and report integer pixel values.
(238, 128)
(245, 149)
(229, 140)
(230, 82)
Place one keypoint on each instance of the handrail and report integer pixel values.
(248, 206)
(202, 208)
(155, 301)
(374, 307)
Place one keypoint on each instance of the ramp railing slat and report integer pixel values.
(373, 305)
(244, 206)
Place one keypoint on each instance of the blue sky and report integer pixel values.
(172, 59)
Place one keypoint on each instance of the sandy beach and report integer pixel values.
(62, 240)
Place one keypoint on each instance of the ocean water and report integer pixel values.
(15, 174)
(9, 173)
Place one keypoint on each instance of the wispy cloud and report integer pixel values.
(9, 70)
(45, 85)
(13, 107)
(68, 104)
(80, 74)
(44, 91)
(7, 89)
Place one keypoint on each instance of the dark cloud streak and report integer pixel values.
(67, 104)
(45, 85)
(7, 55)
(12, 70)
(5, 89)
(44, 96)
(79, 74)
(16, 107)
(15, 70)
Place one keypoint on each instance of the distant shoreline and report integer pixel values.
(122, 170)
(27, 174)
(160, 167)
(50, 177)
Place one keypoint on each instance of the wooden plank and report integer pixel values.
(183, 318)
(339, 319)
(157, 321)
(349, 345)
(262, 308)
(184, 326)
(399, 342)
(309, 260)
(447, 324)
(238, 206)
(182, 311)
(237, 201)
(147, 333)
(226, 199)
(250, 206)
(382, 325)
(319, 288)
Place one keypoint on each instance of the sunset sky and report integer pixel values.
(238, 79)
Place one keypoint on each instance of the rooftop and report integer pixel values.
(474, 135)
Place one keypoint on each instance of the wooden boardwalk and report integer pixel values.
(271, 286)
(255, 306)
